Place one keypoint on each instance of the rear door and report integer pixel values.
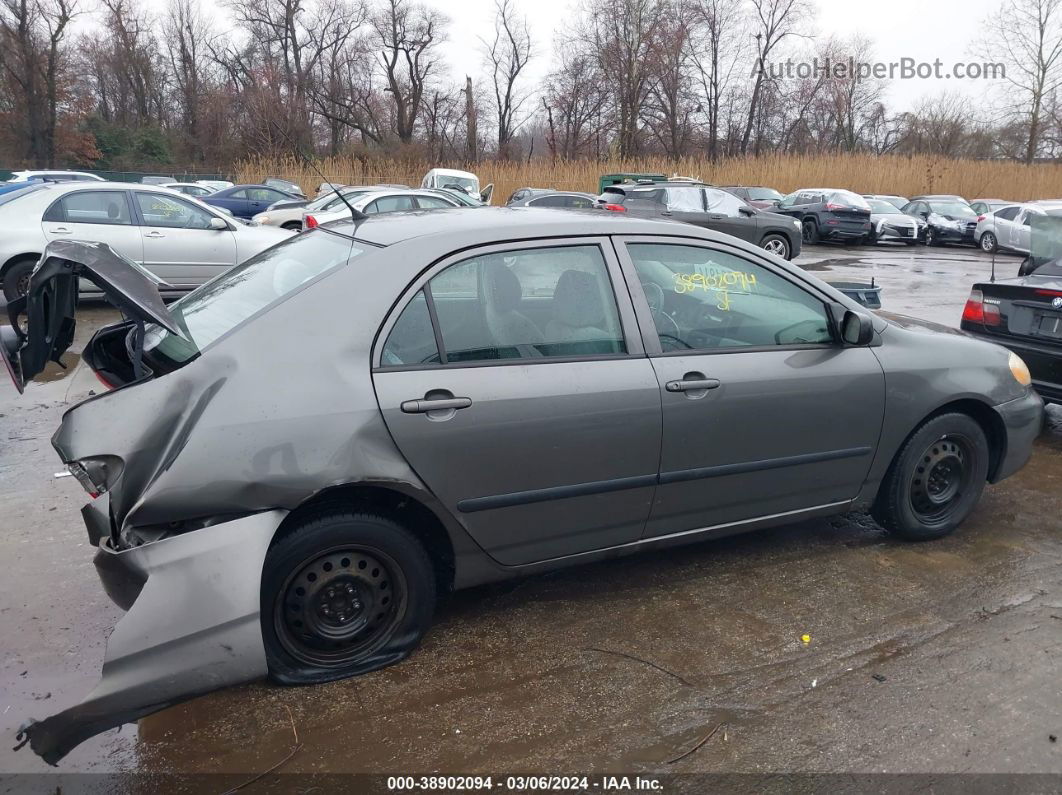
(764, 413)
(514, 381)
(1021, 235)
(180, 247)
(101, 215)
(1003, 221)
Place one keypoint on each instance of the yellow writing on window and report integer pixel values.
(721, 283)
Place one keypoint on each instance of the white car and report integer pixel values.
(385, 201)
(181, 240)
(188, 188)
(215, 184)
(64, 176)
(457, 180)
(289, 213)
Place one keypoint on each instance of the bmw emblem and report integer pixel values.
(1056, 303)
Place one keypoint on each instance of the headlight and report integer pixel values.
(1020, 370)
(796, 223)
(261, 219)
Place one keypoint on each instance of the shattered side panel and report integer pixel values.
(194, 628)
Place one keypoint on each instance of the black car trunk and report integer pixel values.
(1032, 309)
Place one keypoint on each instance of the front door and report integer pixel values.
(764, 413)
(180, 247)
(517, 388)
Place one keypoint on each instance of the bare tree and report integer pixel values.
(671, 102)
(575, 101)
(32, 56)
(718, 49)
(408, 36)
(506, 55)
(186, 33)
(776, 21)
(1027, 36)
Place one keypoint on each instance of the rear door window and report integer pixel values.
(1007, 213)
(91, 207)
(433, 203)
(389, 204)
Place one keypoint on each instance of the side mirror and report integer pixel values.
(218, 224)
(487, 193)
(856, 328)
(748, 212)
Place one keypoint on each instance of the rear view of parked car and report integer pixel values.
(482, 393)
(828, 214)
(707, 207)
(177, 238)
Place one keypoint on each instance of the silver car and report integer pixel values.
(382, 201)
(178, 238)
(889, 224)
(288, 214)
(1009, 228)
(480, 394)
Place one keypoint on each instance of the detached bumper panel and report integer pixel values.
(192, 629)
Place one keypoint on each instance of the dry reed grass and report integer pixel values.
(903, 175)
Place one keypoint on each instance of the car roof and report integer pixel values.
(452, 172)
(482, 225)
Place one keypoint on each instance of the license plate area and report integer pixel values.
(1049, 325)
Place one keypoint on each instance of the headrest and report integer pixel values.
(577, 300)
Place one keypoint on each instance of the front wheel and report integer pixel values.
(344, 593)
(931, 238)
(935, 480)
(777, 245)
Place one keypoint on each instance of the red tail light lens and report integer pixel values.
(616, 208)
(311, 222)
(977, 311)
(831, 206)
(980, 218)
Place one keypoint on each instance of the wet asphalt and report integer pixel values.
(820, 647)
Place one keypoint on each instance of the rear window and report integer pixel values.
(764, 194)
(849, 199)
(211, 311)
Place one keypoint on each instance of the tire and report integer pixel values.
(777, 245)
(931, 239)
(295, 226)
(988, 243)
(810, 231)
(344, 593)
(16, 278)
(935, 480)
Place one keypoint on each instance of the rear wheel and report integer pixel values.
(989, 242)
(777, 245)
(342, 594)
(16, 278)
(935, 480)
(295, 226)
(810, 231)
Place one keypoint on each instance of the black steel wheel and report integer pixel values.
(17, 278)
(342, 594)
(935, 480)
(339, 605)
(809, 231)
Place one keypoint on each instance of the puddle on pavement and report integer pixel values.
(54, 372)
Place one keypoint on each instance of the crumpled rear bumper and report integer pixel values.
(192, 628)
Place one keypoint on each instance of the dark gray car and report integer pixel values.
(570, 199)
(707, 207)
(301, 456)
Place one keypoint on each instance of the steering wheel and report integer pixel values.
(666, 327)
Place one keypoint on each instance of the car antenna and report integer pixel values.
(992, 278)
(357, 215)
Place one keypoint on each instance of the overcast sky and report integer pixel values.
(919, 29)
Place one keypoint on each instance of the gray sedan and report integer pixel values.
(889, 224)
(304, 454)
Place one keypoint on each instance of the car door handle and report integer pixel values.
(154, 234)
(446, 404)
(693, 385)
(717, 216)
(60, 230)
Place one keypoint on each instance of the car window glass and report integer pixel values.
(719, 201)
(684, 200)
(1007, 213)
(528, 304)
(432, 203)
(92, 207)
(390, 204)
(703, 299)
(239, 194)
(788, 201)
(160, 210)
(412, 338)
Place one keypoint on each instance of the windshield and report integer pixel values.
(460, 197)
(764, 194)
(214, 309)
(465, 183)
(952, 208)
(878, 206)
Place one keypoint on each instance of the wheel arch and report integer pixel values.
(391, 500)
(17, 258)
(983, 414)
